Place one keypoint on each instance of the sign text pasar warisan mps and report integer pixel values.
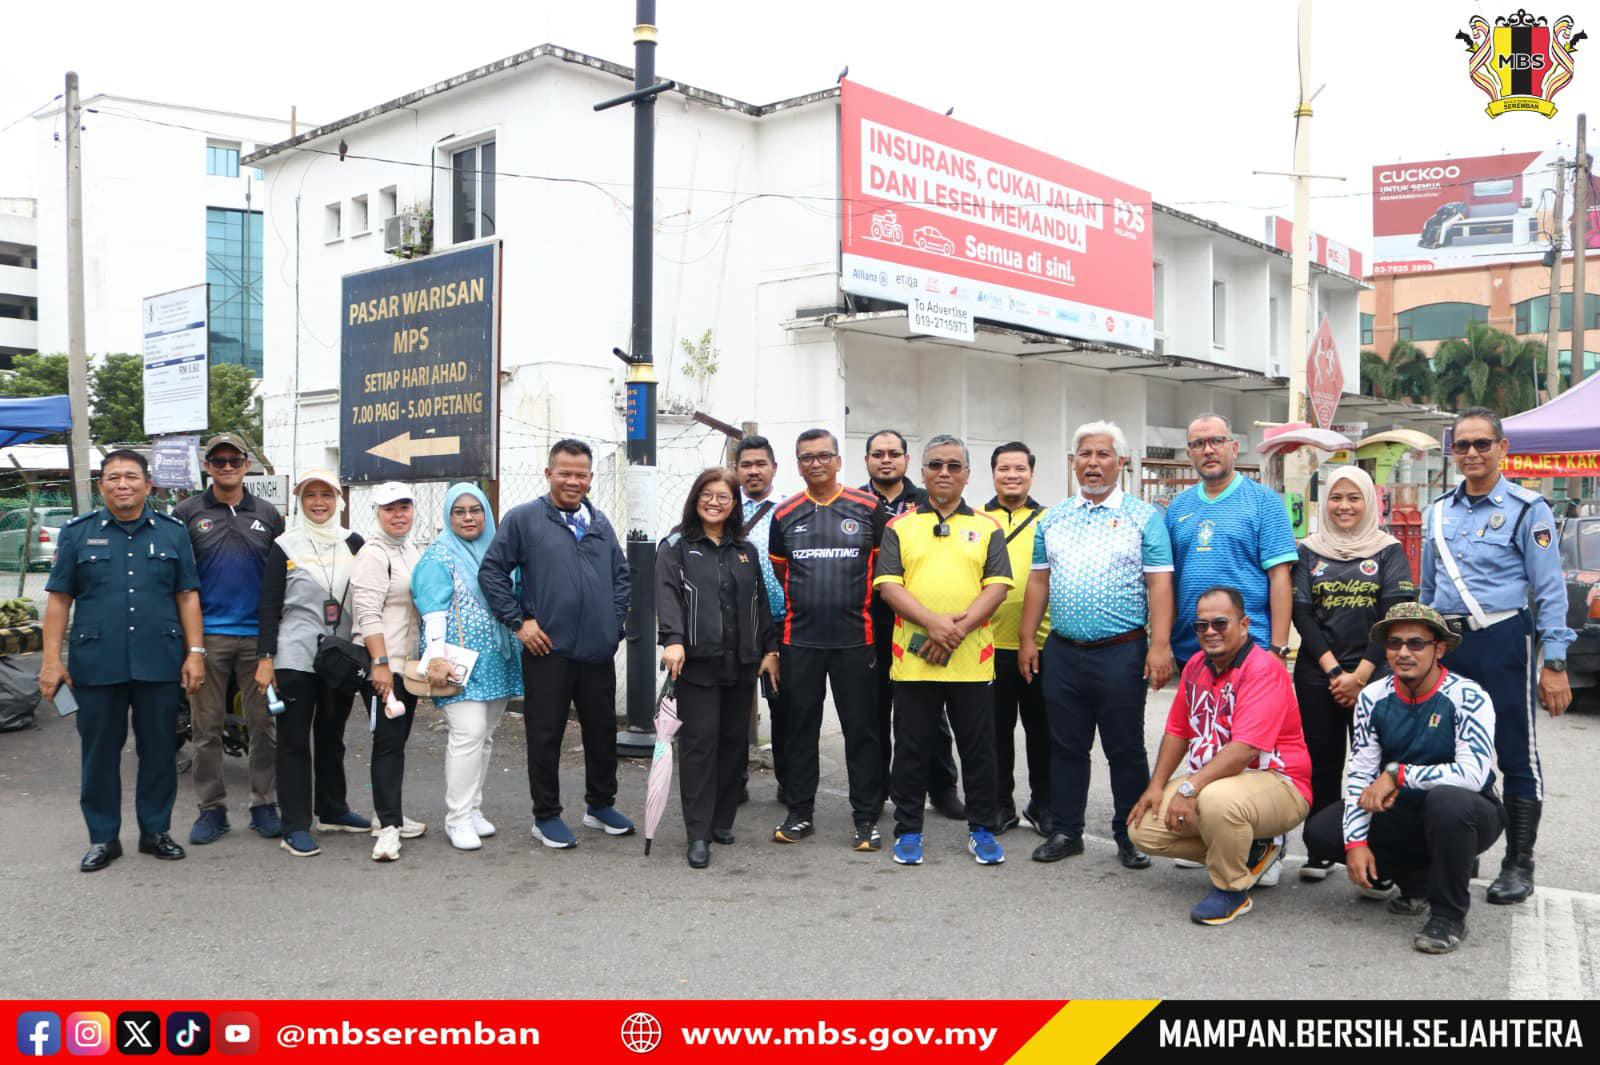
(432, 298)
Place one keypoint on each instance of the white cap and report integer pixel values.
(320, 475)
(390, 492)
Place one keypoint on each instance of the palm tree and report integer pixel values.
(1406, 374)
(1488, 368)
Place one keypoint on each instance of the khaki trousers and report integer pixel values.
(232, 656)
(1232, 812)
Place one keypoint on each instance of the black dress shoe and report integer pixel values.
(699, 854)
(1057, 847)
(950, 805)
(723, 836)
(1008, 821)
(1130, 856)
(160, 845)
(100, 855)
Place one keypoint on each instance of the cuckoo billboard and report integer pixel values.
(420, 352)
(976, 226)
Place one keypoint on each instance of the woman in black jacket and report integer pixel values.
(1349, 574)
(716, 630)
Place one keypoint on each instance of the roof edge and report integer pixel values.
(1244, 238)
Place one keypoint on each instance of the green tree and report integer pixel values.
(234, 407)
(1407, 373)
(35, 375)
(1488, 368)
(116, 400)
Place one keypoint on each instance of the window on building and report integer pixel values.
(388, 203)
(358, 215)
(1159, 312)
(222, 160)
(1438, 321)
(332, 222)
(1533, 315)
(1366, 328)
(472, 192)
(233, 269)
(1219, 306)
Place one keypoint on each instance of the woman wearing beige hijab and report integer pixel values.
(1349, 574)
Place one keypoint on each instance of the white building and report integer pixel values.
(747, 246)
(19, 277)
(166, 205)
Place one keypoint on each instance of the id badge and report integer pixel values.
(331, 613)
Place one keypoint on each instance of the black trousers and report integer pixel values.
(942, 772)
(1090, 688)
(711, 751)
(1328, 729)
(1014, 698)
(918, 707)
(551, 684)
(104, 711)
(310, 749)
(1425, 843)
(852, 673)
(389, 757)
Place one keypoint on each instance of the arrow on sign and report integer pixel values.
(403, 449)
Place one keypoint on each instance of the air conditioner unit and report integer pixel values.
(1161, 345)
(402, 232)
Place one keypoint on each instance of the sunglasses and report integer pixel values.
(1481, 445)
(1412, 643)
(937, 465)
(1214, 624)
(231, 462)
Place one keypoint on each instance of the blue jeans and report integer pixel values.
(1085, 689)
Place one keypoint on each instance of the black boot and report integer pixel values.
(1515, 882)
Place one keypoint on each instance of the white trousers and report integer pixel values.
(466, 756)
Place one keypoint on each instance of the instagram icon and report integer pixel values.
(88, 1033)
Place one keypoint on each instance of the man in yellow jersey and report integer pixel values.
(944, 570)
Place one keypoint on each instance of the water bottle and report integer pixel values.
(274, 703)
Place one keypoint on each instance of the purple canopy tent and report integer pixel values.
(1568, 423)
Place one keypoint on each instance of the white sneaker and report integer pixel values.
(1270, 877)
(1184, 863)
(409, 829)
(462, 837)
(481, 824)
(387, 849)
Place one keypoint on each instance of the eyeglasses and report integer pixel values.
(1214, 624)
(818, 459)
(232, 462)
(887, 455)
(467, 512)
(1481, 445)
(715, 497)
(937, 465)
(1411, 643)
(1217, 442)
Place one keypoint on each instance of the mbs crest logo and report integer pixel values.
(1521, 61)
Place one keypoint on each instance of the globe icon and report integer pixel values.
(641, 1033)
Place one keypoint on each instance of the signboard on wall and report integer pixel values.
(1325, 251)
(937, 209)
(175, 462)
(420, 357)
(176, 330)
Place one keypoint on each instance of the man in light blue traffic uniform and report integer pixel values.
(1487, 545)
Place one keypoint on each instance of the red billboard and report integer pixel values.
(934, 209)
(1445, 213)
(1325, 251)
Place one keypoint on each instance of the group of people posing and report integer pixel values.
(934, 625)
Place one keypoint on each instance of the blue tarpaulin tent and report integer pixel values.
(25, 418)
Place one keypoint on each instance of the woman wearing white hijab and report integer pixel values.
(305, 595)
(1349, 574)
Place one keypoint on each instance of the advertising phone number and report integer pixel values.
(448, 406)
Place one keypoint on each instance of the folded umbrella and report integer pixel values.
(660, 779)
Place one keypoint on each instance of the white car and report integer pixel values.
(47, 522)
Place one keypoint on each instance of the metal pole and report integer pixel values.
(1580, 249)
(77, 347)
(639, 737)
(1552, 344)
(1296, 472)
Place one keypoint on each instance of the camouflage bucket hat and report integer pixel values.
(1422, 615)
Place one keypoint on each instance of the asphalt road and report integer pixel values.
(241, 918)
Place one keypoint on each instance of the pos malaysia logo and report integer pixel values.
(1521, 61)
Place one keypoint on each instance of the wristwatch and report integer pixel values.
(1187, 790)
(1557, 664)
(381, 660)
(1336, 671)
(1393, 769)
(201, 652)
(1281, 652)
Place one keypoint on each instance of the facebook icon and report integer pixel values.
(38, 1034)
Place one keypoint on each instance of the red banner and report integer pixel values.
(1445, 213)
(1325, 251)
(1560, 464)
(934, 208)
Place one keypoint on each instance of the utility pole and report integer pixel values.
(77, 346)
(1296, 468)
(1552, 345)
(1580, 247)
(639, 737)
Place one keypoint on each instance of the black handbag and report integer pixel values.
(343, 665)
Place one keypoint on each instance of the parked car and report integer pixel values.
(47, 523)
(1580, 565)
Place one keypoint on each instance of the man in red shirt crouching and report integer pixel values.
(1246, 776)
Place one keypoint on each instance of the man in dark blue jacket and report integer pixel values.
(569, 619)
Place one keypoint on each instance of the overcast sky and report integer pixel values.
(1184, 99)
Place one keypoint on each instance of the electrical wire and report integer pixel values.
(30, 114)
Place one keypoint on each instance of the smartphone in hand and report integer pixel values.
(66, 702)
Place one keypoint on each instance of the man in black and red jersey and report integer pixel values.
(823, 544)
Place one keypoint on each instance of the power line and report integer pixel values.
(30, 114)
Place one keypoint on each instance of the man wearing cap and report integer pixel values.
(1420, 802)
(231, 531)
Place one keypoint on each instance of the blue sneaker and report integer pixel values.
(209, 826)
(265, 820)
(1220, 907)
(300, 844)
(607, 820)
(553, 832)
(349, 821)
(984, 848)
(908, 848)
